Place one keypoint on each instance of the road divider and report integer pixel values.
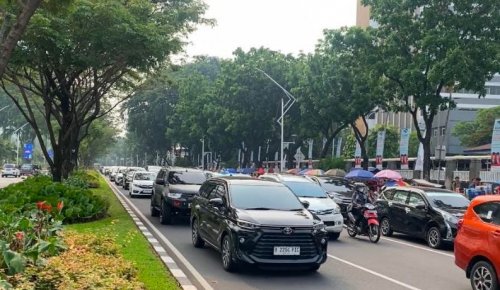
(140, 220)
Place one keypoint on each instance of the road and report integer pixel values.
(5, 181)
(394, 263)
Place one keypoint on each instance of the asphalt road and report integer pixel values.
(353, 263)
(5, 181)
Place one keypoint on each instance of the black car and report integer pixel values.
(339, 189)
(423, 212)
(257, 222)
(173, 192)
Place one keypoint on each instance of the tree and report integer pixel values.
(391, 143)
(71, 65)
(477, 132)
(102, 136)
(427, 47)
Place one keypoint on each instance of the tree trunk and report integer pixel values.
(326, 149)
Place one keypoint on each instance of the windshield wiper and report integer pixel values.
(259, 208)
(296, 209)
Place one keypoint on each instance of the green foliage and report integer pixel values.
(80, 205)
(477, 132)
(331, 163)
(391, 144)
(83, 179)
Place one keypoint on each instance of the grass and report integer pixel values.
(134, 246)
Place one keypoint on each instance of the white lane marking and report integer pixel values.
(196, 275)
(419, 247)
(375, 273)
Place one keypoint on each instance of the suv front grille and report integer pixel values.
(264, 248)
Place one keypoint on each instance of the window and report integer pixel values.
(415, 199)
(435, 132)
(489, 212)
(443, 131)
(389, 194)
(276, 197)
(400, 197)
(161, 174)
(206, 189)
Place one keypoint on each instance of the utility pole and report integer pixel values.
(202, 153)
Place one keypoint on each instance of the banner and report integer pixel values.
(357, 156)
(419, 164)
(495, 147)
(380, 149)
(339, 148)
(403, 148)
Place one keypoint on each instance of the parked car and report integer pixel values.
(477, 245)
(423, 212)
(173, 192)
(320, 203)
(141, 183)
(128, 175)
(337, 188)
(257, 222)
(10, 170)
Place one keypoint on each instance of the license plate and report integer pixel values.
(147, 191)
(286, 251)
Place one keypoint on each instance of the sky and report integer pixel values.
(290, 26)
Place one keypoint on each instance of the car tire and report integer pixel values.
(226, 251)
(483, 276)
(153, 210)
(385, 227)
(165, 214)
(334, 236)
(433, 237)
(198, 242)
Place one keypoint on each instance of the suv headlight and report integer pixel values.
(174, 195)
(247, 224)
(449, 218)
(336, 209)
(319, 226)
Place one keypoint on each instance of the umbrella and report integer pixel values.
(388, 174)
(336, 172)
(359, 174)
(293, 171)
(314, 172)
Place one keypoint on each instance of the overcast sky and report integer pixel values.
(290, 26)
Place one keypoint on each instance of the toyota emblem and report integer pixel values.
(288, 231)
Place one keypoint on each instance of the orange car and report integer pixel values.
(477, 245)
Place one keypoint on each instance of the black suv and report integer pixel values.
(423, 212)
(339, 189)
(173, 192)
(257, 222)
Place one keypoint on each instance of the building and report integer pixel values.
(467, 105)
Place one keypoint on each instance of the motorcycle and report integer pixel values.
(368, 226)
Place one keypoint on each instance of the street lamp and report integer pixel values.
(202, 153)
(281, 120)
(18, 131)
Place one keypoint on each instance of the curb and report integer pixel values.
(167, 260)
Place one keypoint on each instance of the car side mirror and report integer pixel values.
(421, 206)
(216, 202)
(160, 181)
(305, 203)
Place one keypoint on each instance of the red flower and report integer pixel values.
(40, 204)
(47, 207)
(60, 205)
(19, 236)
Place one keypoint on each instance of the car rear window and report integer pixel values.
(489, 212)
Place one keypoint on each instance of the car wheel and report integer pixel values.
(198, 242)
(153, 210)
(434, 238)
(165, 214)
(385, 227)
(227, 254)
(334, 236)
(483, 276)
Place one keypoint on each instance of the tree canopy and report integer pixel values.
(477, 132)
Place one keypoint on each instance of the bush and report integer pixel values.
(90, 262)
(331, 163)
(80, 204)
(83, 179)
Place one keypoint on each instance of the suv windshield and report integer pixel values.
(445, 200)
(144, 176)
(263, 197)
(306, 189)
(187, 177)
(334, 186)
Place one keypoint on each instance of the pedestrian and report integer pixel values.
(475, 182)
(455, 186)
(271, 169)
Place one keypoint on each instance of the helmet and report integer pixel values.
(361, 187)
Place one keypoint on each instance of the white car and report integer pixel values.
(10, 170)
(319, 202)
(142, 183)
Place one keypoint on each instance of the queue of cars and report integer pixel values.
(12, 170)
(286, 220)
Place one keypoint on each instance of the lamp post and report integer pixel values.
(18, 131)
(281, 120)
(202, 153)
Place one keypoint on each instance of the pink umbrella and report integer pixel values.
(388, 174)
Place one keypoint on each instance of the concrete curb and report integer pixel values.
(172, 266)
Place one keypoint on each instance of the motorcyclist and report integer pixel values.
(359, 199)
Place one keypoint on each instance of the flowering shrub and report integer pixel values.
(81, 204)
(90, 262)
